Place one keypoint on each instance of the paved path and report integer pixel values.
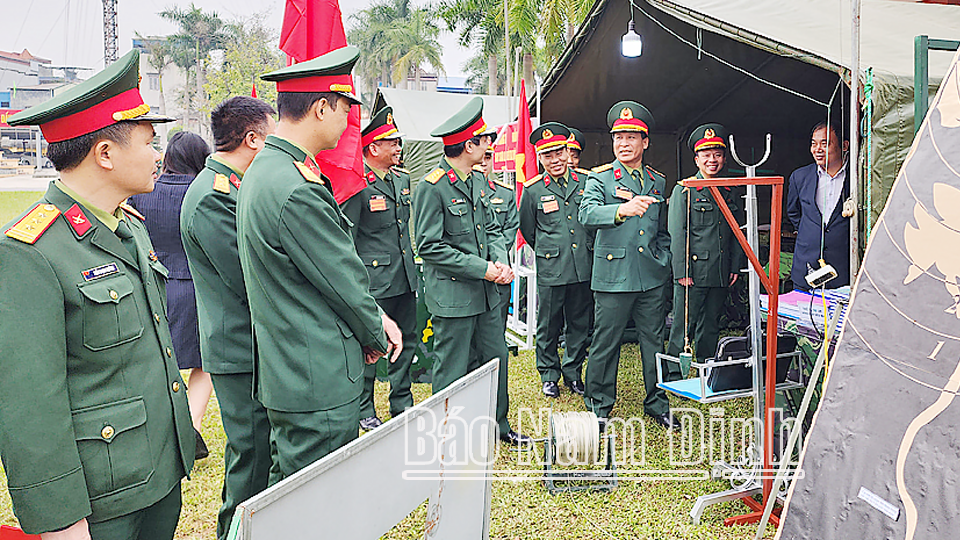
(25, 183)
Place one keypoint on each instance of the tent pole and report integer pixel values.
(506, 40)
(854, 140)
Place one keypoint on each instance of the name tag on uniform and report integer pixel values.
(405, 191)
(623, 193)
(378, 203)
(100, 271)
(550, 206)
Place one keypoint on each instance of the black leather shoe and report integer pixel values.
(666, 420)
(550, 389)
(576, 387)
(370, 423)
(201, 451)
(516, 439)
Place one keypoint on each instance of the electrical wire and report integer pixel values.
(728, 64)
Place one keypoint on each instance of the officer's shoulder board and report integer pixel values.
(400, 169)
(582, 171)
(498, 180)
(34, 223)
(653, 171)
(533, 180)
(434, 175)
(479, 168)
(307, 174)
(602, 168)
(221, 183)
(132, 211)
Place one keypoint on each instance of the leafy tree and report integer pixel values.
(249, 51)
(413, 43)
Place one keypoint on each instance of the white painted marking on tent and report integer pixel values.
(875, 501)
(933, 355)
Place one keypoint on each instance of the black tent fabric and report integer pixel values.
(684, 88)
(883, 457)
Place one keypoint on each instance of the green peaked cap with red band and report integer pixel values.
(109, 97)
(328, 72)
(708, 136)
(380, 128)
(576, 140)
(466, 124)
(549, 136)
(629, 117)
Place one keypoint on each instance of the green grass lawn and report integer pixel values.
(524, 509)
(14, 203)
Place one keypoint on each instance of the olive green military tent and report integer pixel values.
(702, 61)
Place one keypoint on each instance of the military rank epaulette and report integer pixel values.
(400, 169)
(683, 182)
(533, 180)
(498, 180)
(602, 168)
(308, 175)
(656, 172)
(581, 170)
(132, 211)
(221, 183)
(434, 176)
(34, 224)
(479, 168)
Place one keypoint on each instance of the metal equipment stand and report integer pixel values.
(559, 481)
(748, 480)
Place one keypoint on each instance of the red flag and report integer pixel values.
(253, 91)
(526, 157)
(12, 533)
(311, 28)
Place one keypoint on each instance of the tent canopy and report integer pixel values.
(797, 48)
(417, 113)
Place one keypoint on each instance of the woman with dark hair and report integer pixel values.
(183, 160)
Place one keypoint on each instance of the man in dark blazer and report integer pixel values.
(818, 190)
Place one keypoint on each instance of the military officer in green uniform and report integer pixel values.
(623, 203)
(503, 201)
(575, 145)
(706, 254)
(381, 217)
(314, 320)
(95, 433)
(208, 227)
(548, 221)
(464, 258)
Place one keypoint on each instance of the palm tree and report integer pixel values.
(370, 31)
(481, 25)
(411, 43)
(199, 33)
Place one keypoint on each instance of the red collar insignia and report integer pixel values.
(452, 176)
(492, 185)
(574, 176)
(371, 177)
(77, 220)
(235, 180)
(546, 179)
(312, 165)
(617, 173)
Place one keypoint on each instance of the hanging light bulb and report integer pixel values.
(631, 44)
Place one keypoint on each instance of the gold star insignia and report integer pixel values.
(626, 113)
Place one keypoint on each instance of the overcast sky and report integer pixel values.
(70, 32)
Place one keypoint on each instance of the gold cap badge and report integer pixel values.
(546, 134)
(626, 113)
(709, 133)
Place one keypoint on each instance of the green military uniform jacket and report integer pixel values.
(549, 224)
(504, 204)
(380, 213)
(93, 412)
(634, 254)
(208, 227)
(308, 290)
(457, 235)
(714, 250)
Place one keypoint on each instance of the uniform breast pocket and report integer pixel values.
(548, 212)
(548, 261)
(701, 212)
(109, 312)
(403, 208)
(113, 446)
(457, 219)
